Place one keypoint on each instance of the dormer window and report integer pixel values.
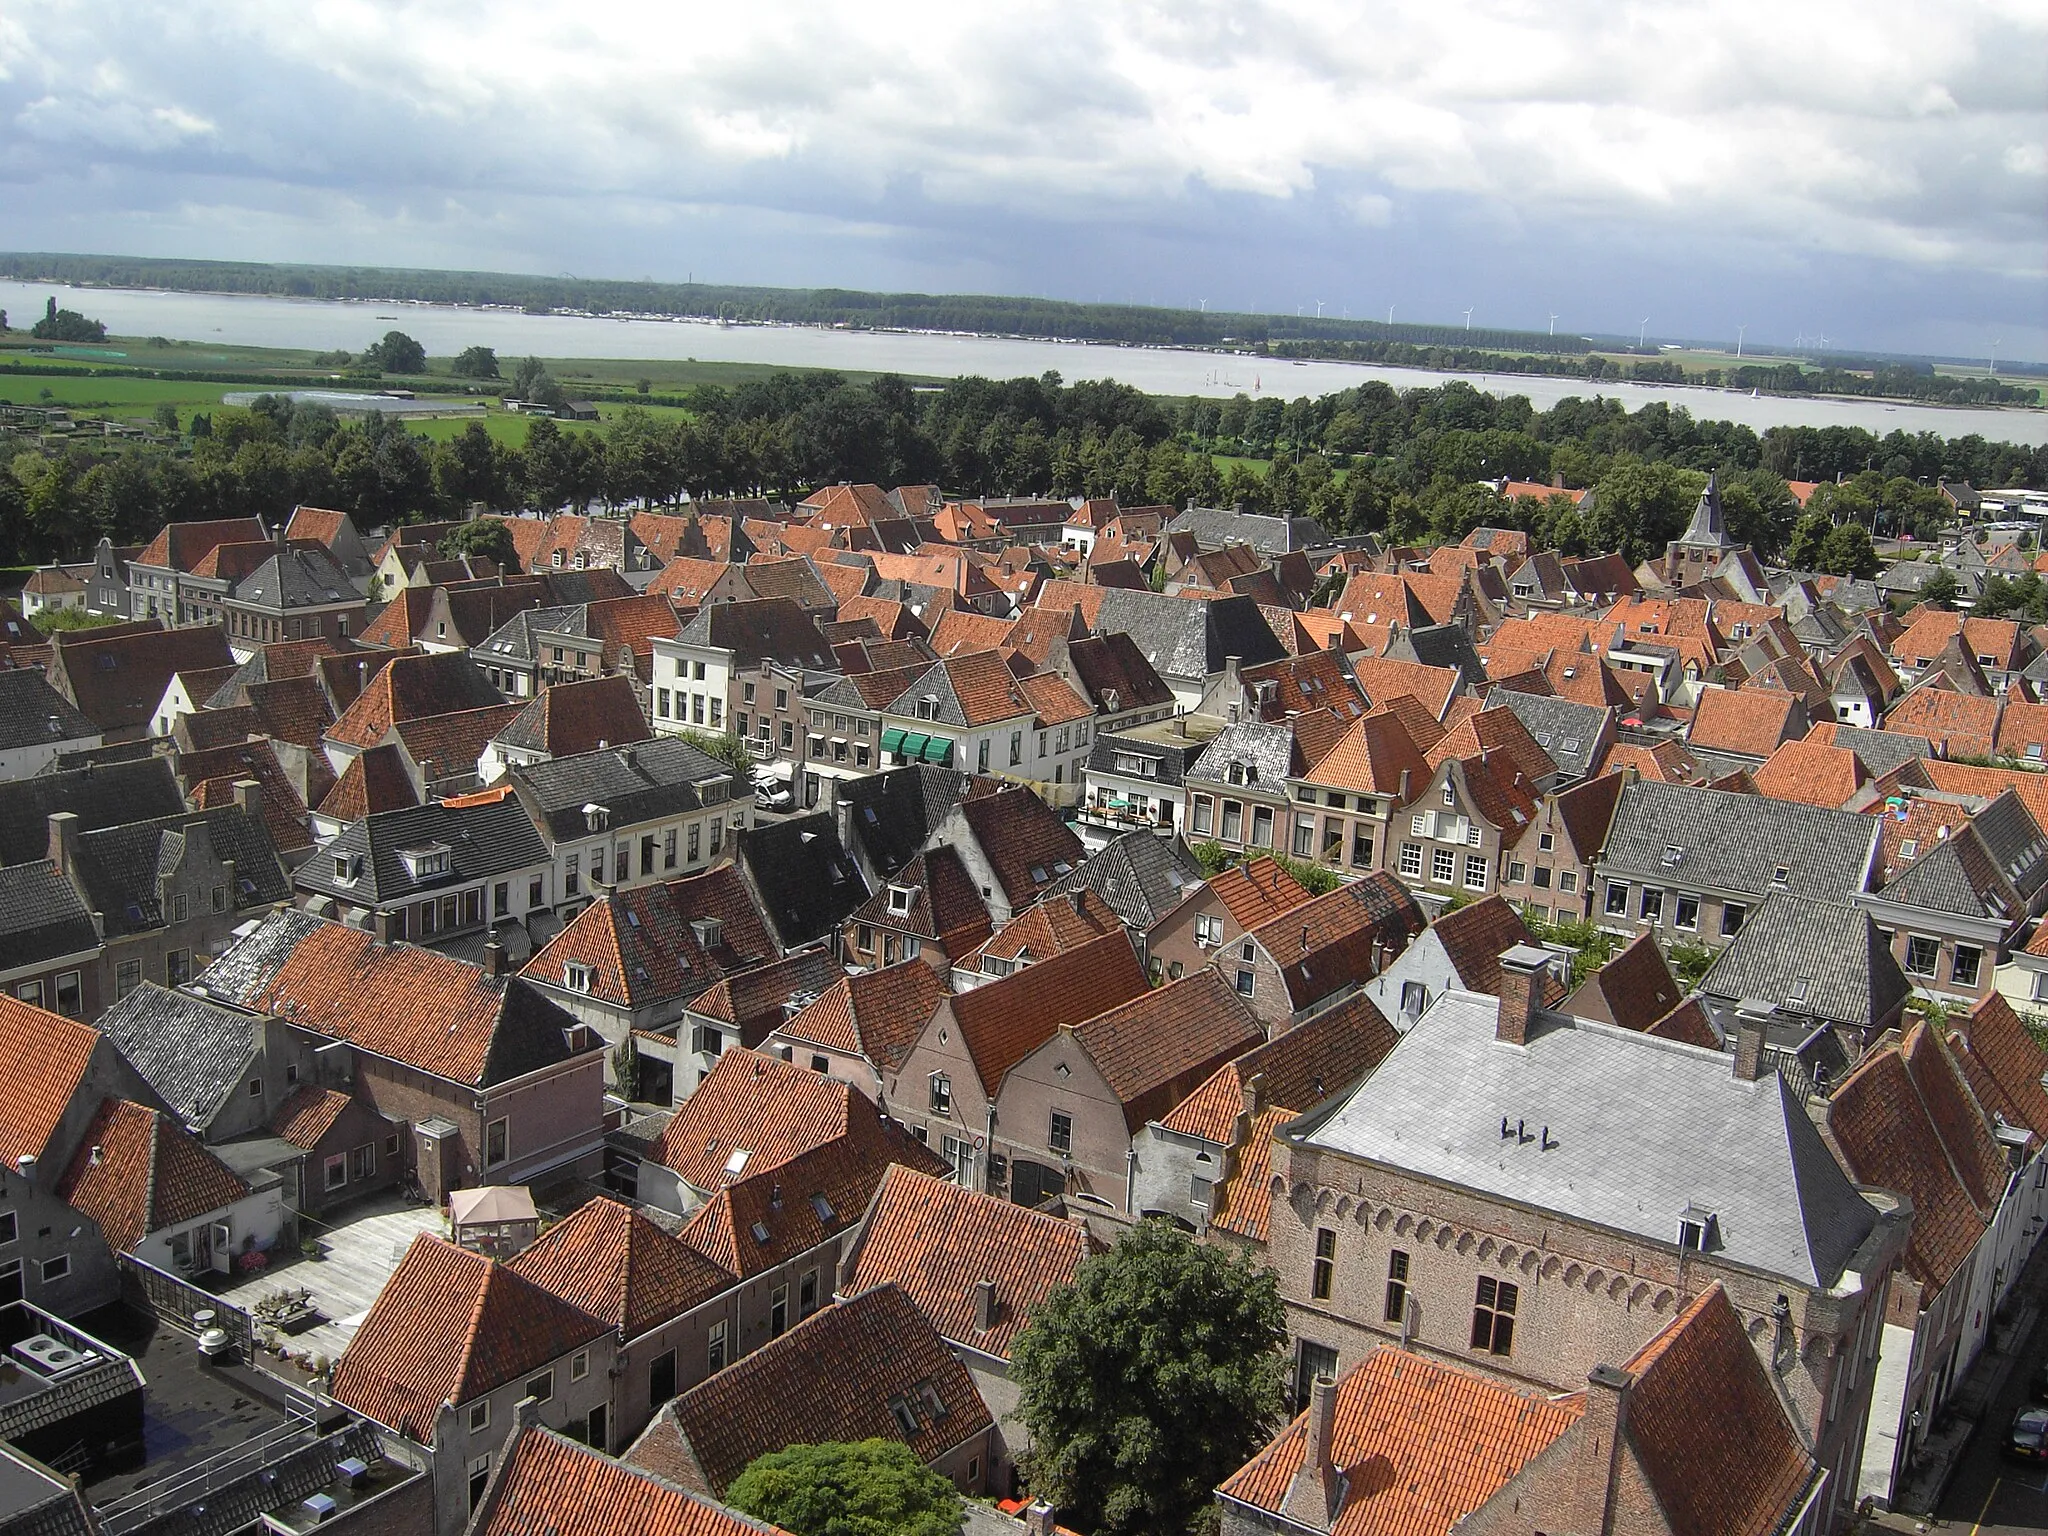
(344, 867)
(576, 977)
(424, 863)
(928, 707)
(1698, 1230)
(595, 817)
(1237, 773)
(900, 898)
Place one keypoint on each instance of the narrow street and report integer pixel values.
(1989, 1494)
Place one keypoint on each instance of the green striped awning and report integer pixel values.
(913, 744)
(938, 750)
(892, 738)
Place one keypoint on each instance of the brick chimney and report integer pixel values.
(495, 961)
(1040, 1519)
(64, 841)
(249, 796)
(986, 1308)
(380, 925)
(1316, 1491)
(1254, 1093)
(1521, 983)
(1752, 1020)
(1593, 1465)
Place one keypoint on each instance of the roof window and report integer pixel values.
(737, 1163)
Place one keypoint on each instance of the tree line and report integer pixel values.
(1407, 464)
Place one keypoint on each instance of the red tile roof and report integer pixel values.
(1023, 839)
(449, 1326)
(1811, 773)
(137, 1170)
(613, 1263)
(412, 688)
(1054, 926)
(1751, 721)
(1687, 1023)
(1422, 1445)
(939, 1241)
(1702, 1369)
(2009, 1060)
(1257, 890)
(1006, 1020)
(1959, 724)
(181, 546)
(763, 1107)
(877, 1014)
(832, 1377)
(1636, 986)
(1157, 1048)
(1299, 1068)
(1345, 936)
(1474, 937)
(43, 1061)
(308, 1115)
(641, 946)
(547, 1485)
(1376, 756)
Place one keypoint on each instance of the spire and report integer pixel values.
(1706, 527)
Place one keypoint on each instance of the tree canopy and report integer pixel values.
(861, 1488)
(1149, 1380)
(66, 325)
(487, 536)
(396, 353)
(475, 363)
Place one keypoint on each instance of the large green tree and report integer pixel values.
(861, 1488)
(397, 353)
(1149, 1380)
(475, 363)
(486, 536)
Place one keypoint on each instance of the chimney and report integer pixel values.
(1406, 774)
(1600, 1430)
(249, 796)
(1521, 983)
(1254, 1093)
(1040, 1519)
(380, 925)
(25, 1165)
(985, 1305)
(1304, 938)
(495, 963)
(1312, 1498)
(1752, 1019)
(64, 841)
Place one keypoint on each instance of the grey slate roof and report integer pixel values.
(42, 916)
(1569, 731)
(1268, 749)
(482, 841)
(1173, 758)
(1441, 645)
(103, 795)
(297, 578)
(886, 818)
(1142, 876)
(1817, 958)
(1618, 1157)
(514, 639)
(1214, 527)
(118, 867)
(772, 628)
(804, 881)
(1882, 751)
(192, 1052)
(647, 781)
(1711, 839)
(1189, 638)
(33, 714)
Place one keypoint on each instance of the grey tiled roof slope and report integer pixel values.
(1189, 637)
(101, 796)
(1214, 527)
(514, 639)
(891, 815)
(1737, 843)
(32, 713)
(1267, 748)
(1882, 751)
(194, 1053)
(1619, 1158)
(1814, 957)
(1173, 758)
(42, 916)
(643, 782)
(482, 841)
(118, 866)
(296, 578)
(1142, 876)
(804, 881)
(1567, 730)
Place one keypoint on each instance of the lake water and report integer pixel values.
(327, 324)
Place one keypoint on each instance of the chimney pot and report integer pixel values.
(1521, 973)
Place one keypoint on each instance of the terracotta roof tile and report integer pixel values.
(43, 1062)
(1024, 841)
(548, 1485)
(1006, 1020)
(1689, 1024)
(613, 1263)
(1424, 728)
(1157, 1048)
(2009, 1056)
(1498, 734)
(754, 1001)
(1964, 1131)
(413, 688)
(1668, 762)
(1256, 891)
(1300, 1067)
(1959, 724)
(877, 1014)
(1054, 926)
(1422, 1445)
(944, 905)
(449, 1326)
(308, 1115)
(1345, 936)
(1376, 756)
(1384, 679)
(448, 746)
(374, 780)
(832, 1377)
(1812, 773)
(137, 1170)
(642, 945)
(1752, 721)
(1244, 1205)
(1474, 938)
(1702, 1369)
(939, 1241)
(763, 1107)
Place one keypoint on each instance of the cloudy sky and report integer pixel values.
(1874, 171)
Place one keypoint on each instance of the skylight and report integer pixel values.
(736, 1164)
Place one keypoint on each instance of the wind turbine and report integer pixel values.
(1205, 305)
(1468, 318)
(1553, 322)
(1319, 309)
(1994, 356)
(1390, 314)
(1642, 331)
(1739, 332)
